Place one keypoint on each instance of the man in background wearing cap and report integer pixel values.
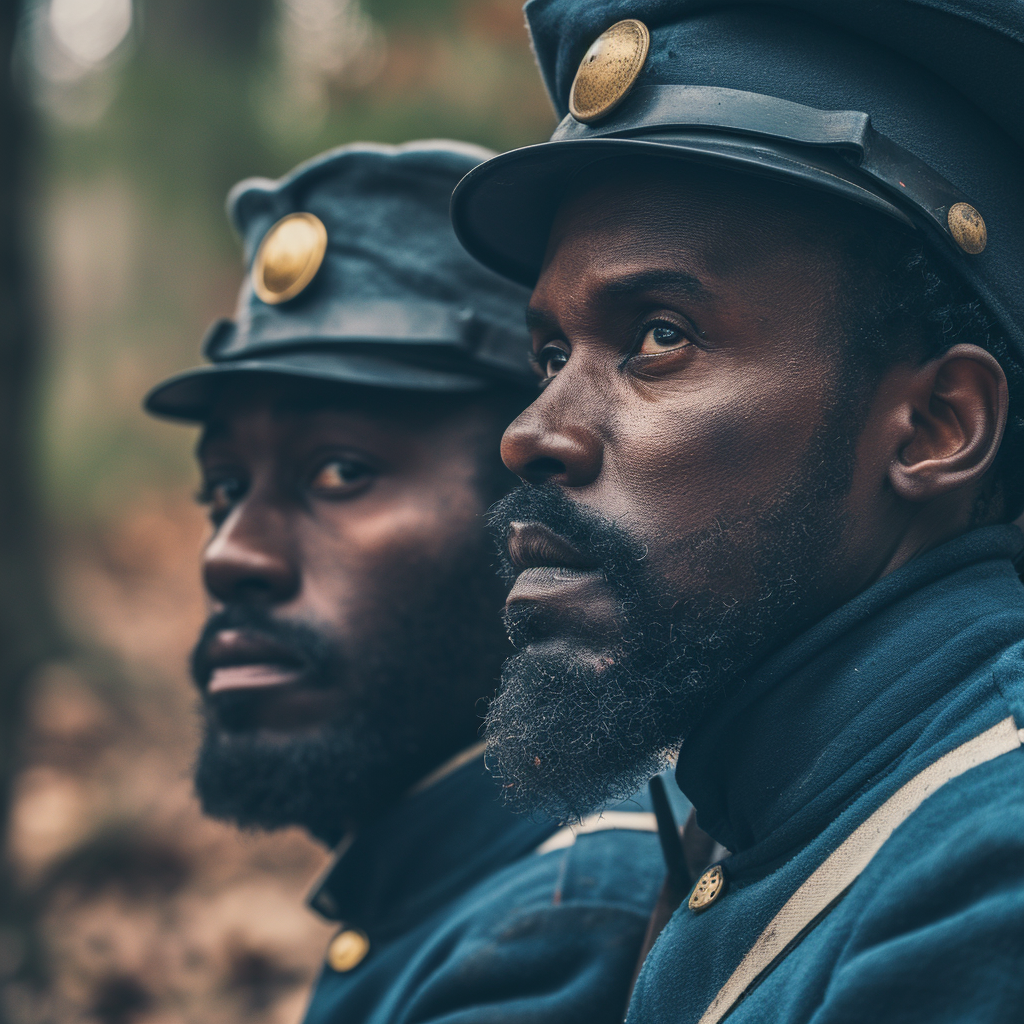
(351, 419)
(778, 262)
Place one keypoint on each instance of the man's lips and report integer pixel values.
(533, 545)
(241, 660)
(251, 677)
(552, 571)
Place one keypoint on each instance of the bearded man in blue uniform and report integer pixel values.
(351, 419)
(777, 252)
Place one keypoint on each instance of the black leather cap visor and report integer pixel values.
(503, 209)
(404, 345)
(392, 299)
(909, 107)
(192, 395)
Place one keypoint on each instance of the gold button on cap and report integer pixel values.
(608, 70)
(967, 227)
(709, 887)
(348, 949)
(289, 257)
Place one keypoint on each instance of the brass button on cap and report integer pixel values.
(709, 887)
(608, 70)
(289, 257)
(967, 227)
(348, 949)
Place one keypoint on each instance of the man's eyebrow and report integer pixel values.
(540, 320)
(665, 281)
(656, 281)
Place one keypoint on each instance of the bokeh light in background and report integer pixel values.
(89, 30)
(147, 114)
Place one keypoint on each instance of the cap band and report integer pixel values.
(402, 324)
(655, 111)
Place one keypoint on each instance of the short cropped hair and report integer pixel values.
(905, 306)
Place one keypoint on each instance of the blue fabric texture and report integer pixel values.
(971, 45)
(396, 301)
(818, 738)
(467, 923)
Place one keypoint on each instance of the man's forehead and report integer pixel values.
(611, 285)
(296, 405)
(292, 404)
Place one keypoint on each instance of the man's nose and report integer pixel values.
(547, 443)
(249, 558)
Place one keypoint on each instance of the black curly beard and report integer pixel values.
(571, 731)
(408, 701)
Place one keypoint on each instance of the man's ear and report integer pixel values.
(950, 424)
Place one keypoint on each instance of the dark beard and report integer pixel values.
(323, 781)
(571, 731)
(409, 702)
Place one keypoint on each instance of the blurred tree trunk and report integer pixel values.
(219, 28)
(26, 623)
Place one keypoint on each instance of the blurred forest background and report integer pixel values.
(122, 125)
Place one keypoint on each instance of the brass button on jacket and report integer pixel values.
(348, 949)
(709, 887)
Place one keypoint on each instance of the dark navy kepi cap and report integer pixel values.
(913, 108)
(355, 276)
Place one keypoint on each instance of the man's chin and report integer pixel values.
(322, 779)
(287, 708)
(567, 733)
(275, 734)
(539, 630)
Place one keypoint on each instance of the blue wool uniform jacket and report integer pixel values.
(468, 924)
(817, 738)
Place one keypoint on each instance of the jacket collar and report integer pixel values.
(807, 731)
(451, 831)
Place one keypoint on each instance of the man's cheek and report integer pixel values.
(422, 529)
(690, 474)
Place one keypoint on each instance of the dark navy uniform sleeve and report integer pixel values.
(940, 938)
(551, 939)
(564, 952)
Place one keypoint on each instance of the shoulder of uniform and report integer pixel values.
(613, 858)
(1008, 676)
(551, 937)
(960, 848)
(984, 805)
(607, 821)
(615, 868)
(562, 909)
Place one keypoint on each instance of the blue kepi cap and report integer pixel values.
(355, 276)
(913, 108)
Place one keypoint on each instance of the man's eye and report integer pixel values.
(220, 496)
(339, 476)
(661, 337)
(550, 360)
